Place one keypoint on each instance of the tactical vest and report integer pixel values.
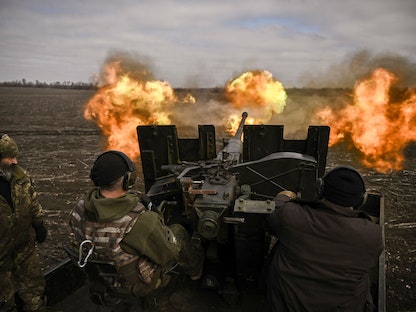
(106, 238)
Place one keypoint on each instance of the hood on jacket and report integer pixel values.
(108, 209)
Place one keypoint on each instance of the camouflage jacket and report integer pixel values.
(105, 236)
(123, 232)
(17, 237)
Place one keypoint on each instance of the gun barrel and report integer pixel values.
(239, 132)
(232, 152)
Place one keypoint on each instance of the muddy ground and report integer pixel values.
(58, 146)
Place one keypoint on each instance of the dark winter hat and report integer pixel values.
(344, 186)
(8, 147)
(108, 167)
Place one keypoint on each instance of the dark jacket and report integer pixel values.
(322, 259)
(17, 236)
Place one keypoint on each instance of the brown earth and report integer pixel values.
(58, 146)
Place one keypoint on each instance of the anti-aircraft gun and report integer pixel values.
(222, 199)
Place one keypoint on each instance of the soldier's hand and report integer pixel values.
(41, 232)
(289, 194)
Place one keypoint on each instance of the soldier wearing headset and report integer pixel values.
(111, 217)
(325, 249)
(21, 224)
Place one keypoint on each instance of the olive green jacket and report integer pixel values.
(149, 235)
(17, 236)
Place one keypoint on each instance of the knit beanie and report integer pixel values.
(107, 168)
(344, 186)
(8, 147)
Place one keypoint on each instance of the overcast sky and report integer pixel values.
(197, 43)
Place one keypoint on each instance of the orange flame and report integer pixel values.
(125, 102)
(258, 93)
(121, 106)
(378, 127)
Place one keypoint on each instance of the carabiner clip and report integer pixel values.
(83, 262)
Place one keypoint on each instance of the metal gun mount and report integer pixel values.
(222, 198)
(265, 161)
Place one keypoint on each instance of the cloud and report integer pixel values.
(203, 43)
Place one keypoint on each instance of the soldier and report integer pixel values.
(21, 224)
(326, 250)
(112, 218)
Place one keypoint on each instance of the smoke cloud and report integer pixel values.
(137, 66)
(360, 64)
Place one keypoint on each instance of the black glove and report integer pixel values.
(41, 232)
(147, 202)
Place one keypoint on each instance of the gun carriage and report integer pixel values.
(222, 199)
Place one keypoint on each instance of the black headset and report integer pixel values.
(130, 175)
(320, 184)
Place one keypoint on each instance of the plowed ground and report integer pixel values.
(58, 146)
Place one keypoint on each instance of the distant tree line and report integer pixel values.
(39, 84)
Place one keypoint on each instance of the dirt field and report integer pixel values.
(58, 146)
